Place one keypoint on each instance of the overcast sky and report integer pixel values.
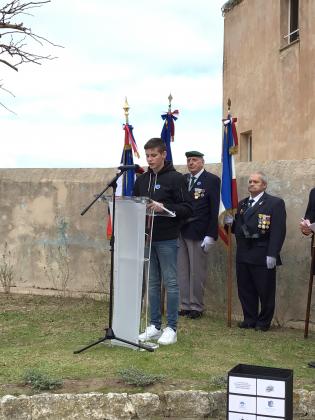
(69, 111)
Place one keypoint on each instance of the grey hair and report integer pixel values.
(262, 176)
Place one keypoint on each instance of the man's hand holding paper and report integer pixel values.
(307, 228)
(159, 208)
(156, 207)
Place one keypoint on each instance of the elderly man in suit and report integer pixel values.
(197, 235)
(259, 228)
(306, 230)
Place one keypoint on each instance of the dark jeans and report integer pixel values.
(163, 265)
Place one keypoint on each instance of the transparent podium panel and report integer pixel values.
(129, 231)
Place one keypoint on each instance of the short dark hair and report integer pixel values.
(155, 142)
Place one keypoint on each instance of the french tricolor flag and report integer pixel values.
(229, 199)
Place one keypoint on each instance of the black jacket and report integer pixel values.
(167, 187)
(205, 195)
(260, 230)
(310, 211)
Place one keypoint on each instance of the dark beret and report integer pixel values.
(194, 153)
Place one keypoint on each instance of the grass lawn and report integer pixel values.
(42, 332)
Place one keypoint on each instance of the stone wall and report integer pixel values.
(53, 249)
(95, 406)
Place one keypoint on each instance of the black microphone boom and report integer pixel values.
(128, 167)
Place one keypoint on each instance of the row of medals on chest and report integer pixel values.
(199, 193)
(263, 221)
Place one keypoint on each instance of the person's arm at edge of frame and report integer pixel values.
(309, 215)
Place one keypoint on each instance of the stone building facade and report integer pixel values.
(268, 72)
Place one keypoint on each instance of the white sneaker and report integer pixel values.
(169, 336)
(150, 333)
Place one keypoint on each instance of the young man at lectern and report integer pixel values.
(166, 187)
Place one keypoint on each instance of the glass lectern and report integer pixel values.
(128, 266)
(131, 250)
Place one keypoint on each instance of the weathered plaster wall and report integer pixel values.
(53, 249)
(272, 88)
(52, 246)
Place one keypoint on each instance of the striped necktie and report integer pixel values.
(250, 202)
(191, 182)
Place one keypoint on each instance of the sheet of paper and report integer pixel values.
(171, 213)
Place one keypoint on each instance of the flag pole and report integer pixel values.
(170, 97)
(163, 303)
(168, 130)
(229, 267)
(126, 108)
(124, 180)
(310, 288)
(229, 200)
(229, 278)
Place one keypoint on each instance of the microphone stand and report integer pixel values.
(109, 332)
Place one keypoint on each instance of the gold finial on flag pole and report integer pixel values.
(233, 149)
(126, 108)
(170, 102)
(229, 104)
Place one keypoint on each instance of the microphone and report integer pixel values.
(124, 168)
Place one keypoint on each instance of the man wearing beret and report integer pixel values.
(198, 234)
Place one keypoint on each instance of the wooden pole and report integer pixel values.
(310, 289)
(163, 300)
(229, 278)
(163, 294)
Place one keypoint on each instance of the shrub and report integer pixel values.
(6, 269)
(134, 376)
(40, 381)
(218, 381)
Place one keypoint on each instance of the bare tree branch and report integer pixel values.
(8, 64)
(15, 36)
(2, 104)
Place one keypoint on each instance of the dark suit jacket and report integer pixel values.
(260, 230)
(310, 211)
(206, 200)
